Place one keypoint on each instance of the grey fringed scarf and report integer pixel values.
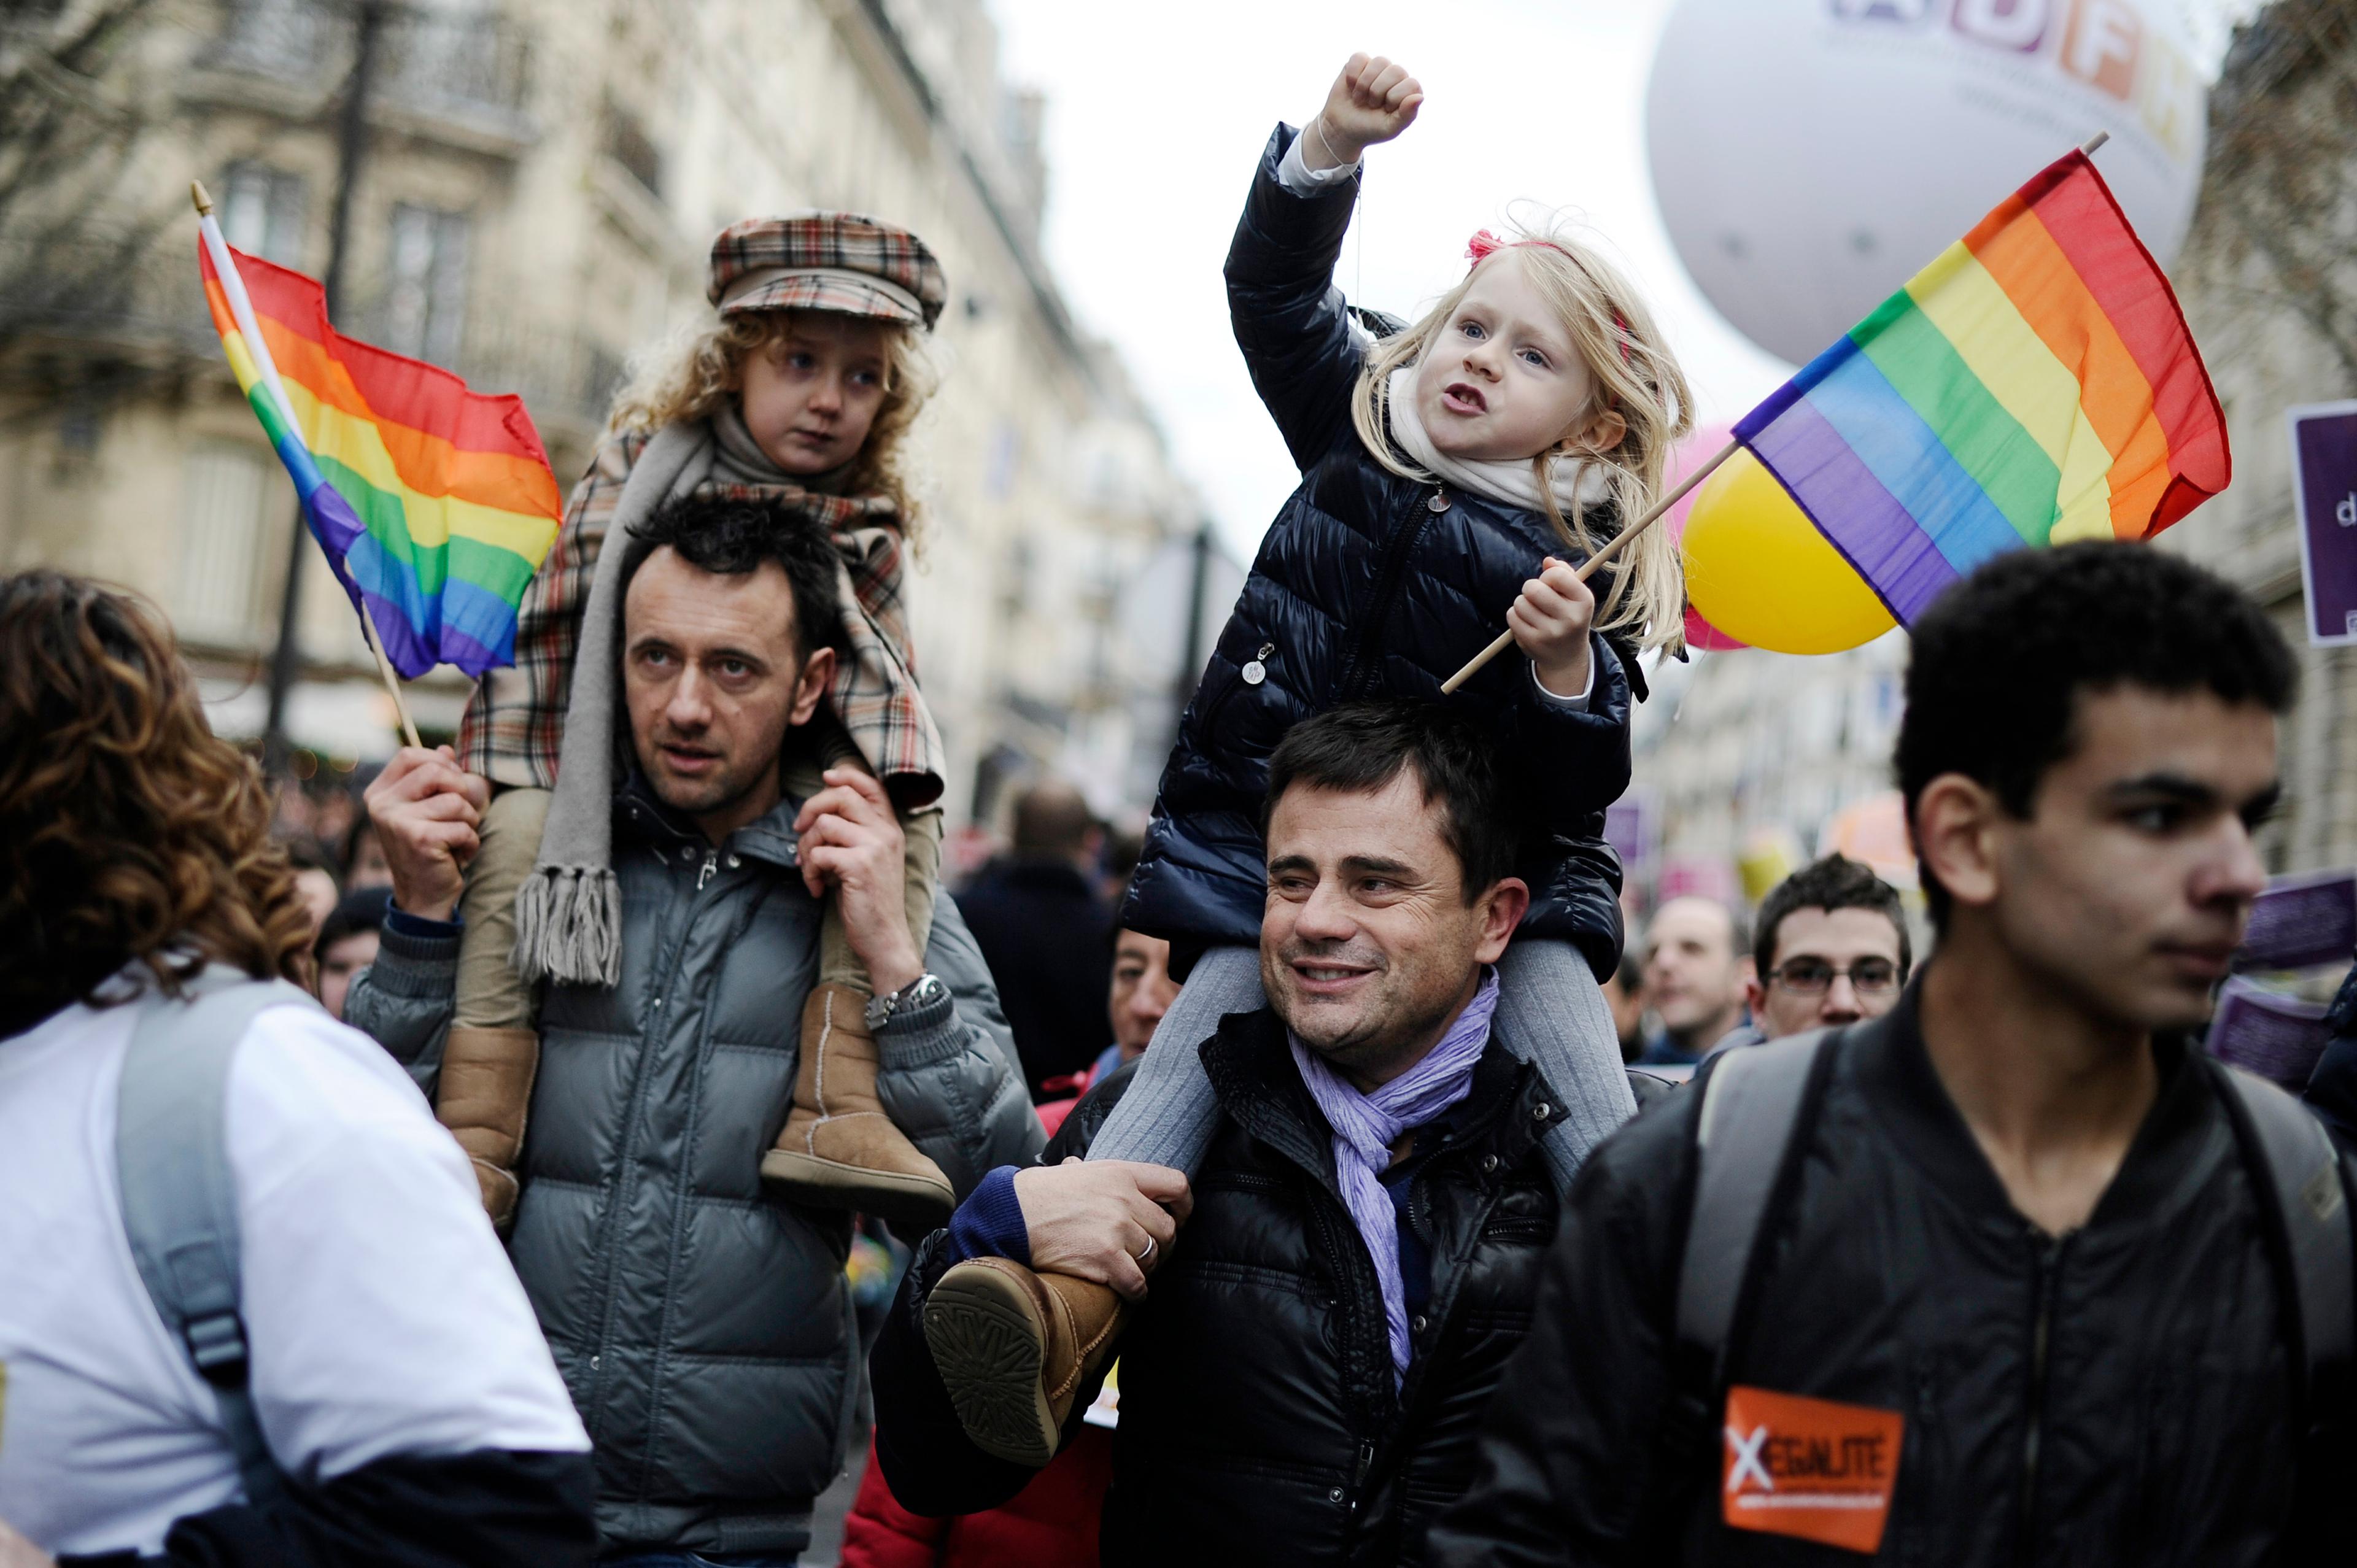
(570, 912)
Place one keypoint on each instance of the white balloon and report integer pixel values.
(1810, 156)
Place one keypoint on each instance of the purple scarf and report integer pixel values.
(1367, 1125)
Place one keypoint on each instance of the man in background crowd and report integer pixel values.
(1697, 974)
(347, 944)
(314, 881)
(364, 862)
(1624, 992)
(1043, 928)
(1142, 992)
(1832, 948)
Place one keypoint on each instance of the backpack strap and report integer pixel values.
(2300, 1173)
(1752, 1103)
(179, 1195)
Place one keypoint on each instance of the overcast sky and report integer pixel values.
(1156, 112)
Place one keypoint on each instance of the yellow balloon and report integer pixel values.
(1758, 569)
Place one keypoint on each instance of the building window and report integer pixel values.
(426, 305)
(225, 490)
(628, 144)
(262, 213)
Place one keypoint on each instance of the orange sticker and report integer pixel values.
(1810, 1467)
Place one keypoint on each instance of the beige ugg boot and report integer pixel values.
(838, 1149)
(1014, 1347)
(485, 1091)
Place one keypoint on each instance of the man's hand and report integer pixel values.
(1092, 1219)
(851, 842)
(16, 1552)
(1551, 622)
(427, 809)
(1372, 101)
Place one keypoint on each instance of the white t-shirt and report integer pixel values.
(381, 1312)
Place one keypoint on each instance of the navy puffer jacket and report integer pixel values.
(1368, 584)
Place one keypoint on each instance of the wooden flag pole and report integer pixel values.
(391, 682)
(1661, 508)
(241, 310)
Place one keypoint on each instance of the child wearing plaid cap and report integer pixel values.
(801, 388)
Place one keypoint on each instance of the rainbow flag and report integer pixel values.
(2034, 384)
(435, 504)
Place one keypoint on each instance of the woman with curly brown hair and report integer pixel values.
(128, 833)
(395, 1368)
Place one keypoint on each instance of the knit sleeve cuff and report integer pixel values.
(989, 1223)
(424, 927)
(411, 964)
(919, 1037)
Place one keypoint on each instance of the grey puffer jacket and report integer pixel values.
(704, 1330)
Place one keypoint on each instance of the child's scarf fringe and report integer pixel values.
(569, 926)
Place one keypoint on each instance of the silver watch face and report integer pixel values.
(921, 992)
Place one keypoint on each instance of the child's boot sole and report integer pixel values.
(989, 1343)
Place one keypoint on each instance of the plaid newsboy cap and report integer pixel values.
(843, 262)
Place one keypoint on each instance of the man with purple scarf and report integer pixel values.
(1334, 1301)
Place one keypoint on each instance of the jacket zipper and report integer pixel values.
(2046, 1265)
(612, 1223)
(1440, 1308)
(1356, 673)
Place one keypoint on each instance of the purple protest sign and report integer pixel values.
(1632, 826)
(2302, 920)
(2324, 481)
(2278, 1037)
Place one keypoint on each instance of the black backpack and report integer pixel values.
(1759, 1101)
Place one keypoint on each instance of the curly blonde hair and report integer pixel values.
(1636, 377)
(693, 373)
(128, 832)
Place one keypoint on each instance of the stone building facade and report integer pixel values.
(540, 182)
(2270, 285)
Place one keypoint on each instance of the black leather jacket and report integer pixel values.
(1259, 1424)
(1361, 590)
(2123, 1394)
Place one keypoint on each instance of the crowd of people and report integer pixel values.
(1358, 1186)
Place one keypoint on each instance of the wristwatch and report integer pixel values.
(919, 993)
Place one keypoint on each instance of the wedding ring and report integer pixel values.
(1147, 1256)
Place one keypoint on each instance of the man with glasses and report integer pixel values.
(1832, 948)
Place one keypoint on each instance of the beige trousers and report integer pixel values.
(492, 996)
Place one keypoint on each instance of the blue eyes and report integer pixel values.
(1529, 357)
(807, 365)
